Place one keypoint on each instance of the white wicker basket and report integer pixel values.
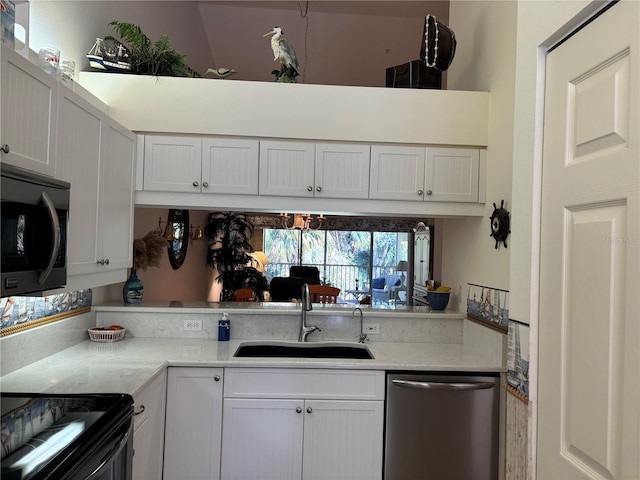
(106, 336)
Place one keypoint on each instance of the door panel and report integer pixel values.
(589, 304)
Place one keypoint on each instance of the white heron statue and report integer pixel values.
(284, 53)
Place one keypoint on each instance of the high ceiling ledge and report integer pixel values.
(146, 104)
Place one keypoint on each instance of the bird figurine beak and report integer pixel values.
(269, 33)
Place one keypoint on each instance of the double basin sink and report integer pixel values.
(304, 350)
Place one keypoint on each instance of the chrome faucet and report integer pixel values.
(363, 336)
(306, 307)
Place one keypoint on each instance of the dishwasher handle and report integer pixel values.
(444, 385)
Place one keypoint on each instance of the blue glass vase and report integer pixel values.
(132, 289)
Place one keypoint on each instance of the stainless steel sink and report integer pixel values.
(304, 350)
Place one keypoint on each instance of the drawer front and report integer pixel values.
(304, 383)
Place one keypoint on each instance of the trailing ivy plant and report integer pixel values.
(147, 58)
(229, 249)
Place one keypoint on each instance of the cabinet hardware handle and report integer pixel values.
(443, 386)
(429, 192)
(106, 261)
(216, 378)
(100, 262)
(205, 184)
(309, 409)
(318, 189)
(298, 410)
(420, 192)
(195, 184)
(142, 409)
(309, 188)
(5, 148)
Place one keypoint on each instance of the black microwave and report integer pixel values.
(35, 214)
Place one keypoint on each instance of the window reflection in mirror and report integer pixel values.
(365, 265)
(177, 234)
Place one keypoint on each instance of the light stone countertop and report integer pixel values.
(128, 365)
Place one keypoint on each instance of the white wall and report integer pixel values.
(484, 61)
(341, 48)
(73, 26)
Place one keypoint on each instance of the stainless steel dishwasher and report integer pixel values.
(442, 426)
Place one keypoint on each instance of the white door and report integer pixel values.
(193, 424)
(28, 111)
(342, 171)
(287, 168)
(451, 174)
(230, 166)
(397, 173)
(343, 440)
(117, 164)
(588, 404)
(262, 439)
(172, 164)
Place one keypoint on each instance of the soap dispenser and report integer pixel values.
(224, 328)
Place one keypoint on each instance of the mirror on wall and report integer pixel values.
(177, 234)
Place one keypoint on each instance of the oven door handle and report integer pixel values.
(55, 247)
(110, 456)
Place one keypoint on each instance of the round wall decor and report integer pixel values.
(500, 224)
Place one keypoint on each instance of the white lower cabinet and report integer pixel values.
(148, 430)
(193, 423)
(302, 424)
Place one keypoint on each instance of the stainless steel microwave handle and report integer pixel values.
(444, 385)
(111, 455)
(51, 209)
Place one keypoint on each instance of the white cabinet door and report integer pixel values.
(78, 148)
(28, 113)
(262, 439)
(148, 430)
(287, 168)
(116, 196)
(342, 171)
(230, 166)
(172, 164)
(97, 159)
(397, 173)
(193, 424)
(452, 174)
(343, 439)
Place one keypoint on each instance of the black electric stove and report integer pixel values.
(66, 437)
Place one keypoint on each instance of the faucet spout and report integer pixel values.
(307, 306)
(363, 336)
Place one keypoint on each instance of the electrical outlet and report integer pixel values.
(192, 325)
(371, 328)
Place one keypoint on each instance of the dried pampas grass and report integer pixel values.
(147, 251)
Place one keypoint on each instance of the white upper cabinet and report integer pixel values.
(302, 169)
(451, 174)
(116, 195)
(287, 168)
(342, 170)
(230, 166)
(97, 159)
(172, 164)
(425, 174)
(197, 165)
(397, 173)
(28, 101)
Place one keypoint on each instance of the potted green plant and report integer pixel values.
(229, 248)
(151, 58)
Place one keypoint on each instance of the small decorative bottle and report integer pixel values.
(224, 328)
(132, 289)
